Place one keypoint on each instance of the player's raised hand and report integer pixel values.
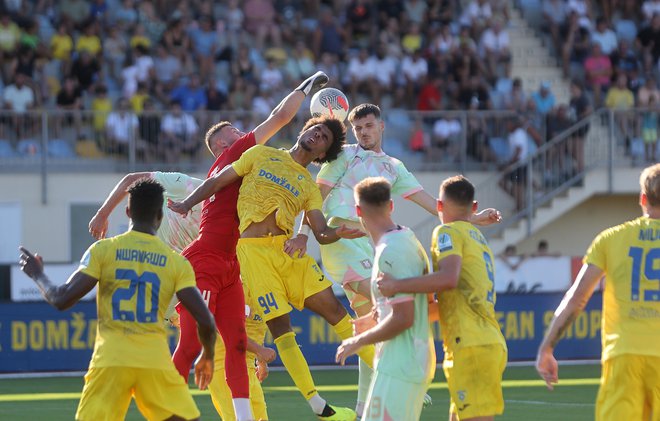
(98, 226)
(386, 284)
(547, 367)
(266, 354)
(347, 348)
(487, 217)
(296, 246)
(262, 371)
(349, 233)
(178, 207)
(31, 264)
(203, 371)
(313, 83)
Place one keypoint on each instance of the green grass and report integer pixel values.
(525, 395)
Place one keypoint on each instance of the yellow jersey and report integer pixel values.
(467, 312)
(137, 276)
(273, 181)
(630, 256)
(61, 46)
(91, 44)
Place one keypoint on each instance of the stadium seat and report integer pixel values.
(29, 147)
(500, 148)
(59, 148)
(88, 149)
(637, 148)
(6, 150)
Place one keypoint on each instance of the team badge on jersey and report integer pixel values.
(444, 242)
(366, 263)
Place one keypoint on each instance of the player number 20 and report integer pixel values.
(651, 271)
(138, 284)
(267, 302)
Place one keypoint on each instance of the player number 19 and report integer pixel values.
(651, 272)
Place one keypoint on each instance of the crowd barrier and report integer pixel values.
(34, 337)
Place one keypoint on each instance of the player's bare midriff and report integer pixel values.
(267, 227)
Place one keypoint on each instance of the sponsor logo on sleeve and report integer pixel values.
(444, 242)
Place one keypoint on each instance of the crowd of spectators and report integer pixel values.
(185, 56)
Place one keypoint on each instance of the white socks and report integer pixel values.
(317, 403)
(242, 409)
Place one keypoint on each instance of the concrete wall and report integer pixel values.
(46, 228)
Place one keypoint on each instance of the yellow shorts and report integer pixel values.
(221, 395)
(474, 377)
(629, 388)
(159, 394)
(276, 279)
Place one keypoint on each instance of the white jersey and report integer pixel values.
(353, 165)
(175, 230)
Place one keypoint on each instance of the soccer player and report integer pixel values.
(629, 257)
(405, 363)
(213, 253)
(137, 275)
(350, 262)
(463, 278)
(276, 187)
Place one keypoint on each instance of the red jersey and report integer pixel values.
(218, 228)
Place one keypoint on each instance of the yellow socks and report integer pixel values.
(295, 364)
(344, 329)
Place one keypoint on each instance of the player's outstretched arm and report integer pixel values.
(326, 235)
(192, 300)
(569, 308)
(208, 188)
(61, 297)
(98, 225)
(430, 204)
(446, 277)
(401, 318)
(288, 107)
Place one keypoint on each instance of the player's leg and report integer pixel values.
(229, 313)
(188, 347)
(162, 395)
(652, 378)
(220, 393)
(362, 307)
(621, 394)
(106, 387)
(390, 398)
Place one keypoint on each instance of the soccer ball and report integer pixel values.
(329, 102)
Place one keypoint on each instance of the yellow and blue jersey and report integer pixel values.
(137, 276)
(273, 181)
(467, 312)
(630, 256)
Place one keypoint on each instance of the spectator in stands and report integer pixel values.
(190, 96)
(205, 45)
(390, 37)
(555, 14)
(495, 49)
(619, 96)
(300, 62)
(144, 64)
(442, 12)
(176, 40)
(511, 258)
(624, 59)
(85, 69)
(149, 129)
(415, 11)
(605, 37)
(412, 39)
(443, 42)
(647, 92)
(69, 103)
(98, 11)
(61, 46)
(650, 8)
(544, 98)
(475, 88)
(261, 22)
(10, 35)
(444, 140)
(577, 43)
(240, 94)
(388, 9)
(19, 98)
(114, 51)
(216, 98)
(329, 35)
(583, 10)
(126, 15)
(515, 100)
(77, 11)
(515, 170)
(598, 72)
(121, 128)
(647, 41)
(478, 145)
(419, 138)
(179, 133)
(167, 74)
(533, 122)
(139, 97)
(89, 41)
(361, 73)
(154, 25)
(414, 69)
(430, 95)
(543, 250)
(243, 66)
(139, 38)
(101, 108)
(580, 109)
(650, 129)
(555, 160)
(271, 78)
(360, 20)
(476, 16)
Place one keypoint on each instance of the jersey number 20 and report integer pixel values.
(138, 285)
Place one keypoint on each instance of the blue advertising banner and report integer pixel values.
(36, 337)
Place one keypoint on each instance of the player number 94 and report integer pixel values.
(267, 302)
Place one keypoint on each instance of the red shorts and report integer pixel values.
(214, 270)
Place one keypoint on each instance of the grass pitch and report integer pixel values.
(525, 395)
